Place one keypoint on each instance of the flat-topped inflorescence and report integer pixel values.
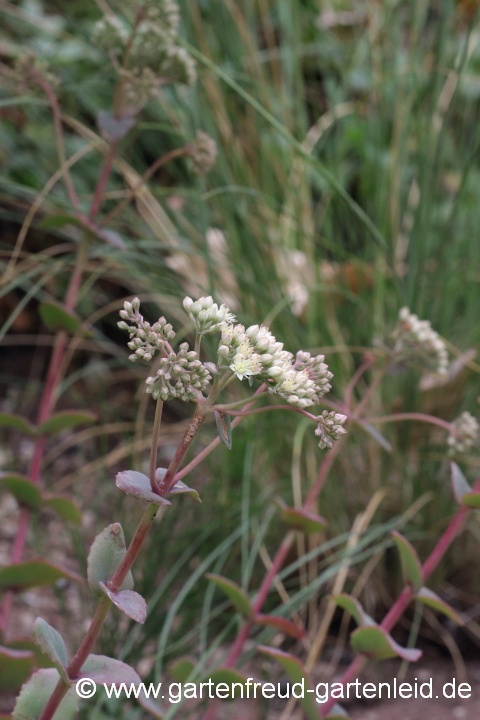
(465, 434)
(416, 341)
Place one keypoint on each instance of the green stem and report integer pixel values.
(198, 342)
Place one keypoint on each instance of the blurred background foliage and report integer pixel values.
(371, 105)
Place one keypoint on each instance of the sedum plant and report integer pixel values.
(253, 355)
(146, 54)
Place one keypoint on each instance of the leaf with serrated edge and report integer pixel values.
(459, 483)
(301, 519)
(52, 644)
(17, 422)
(411, 565)
(65, 420)
(297, 674)
(34, 573)
(64, 507)
(127, 601)
(102, 669)
(351, 605)
(286, 626)
(181, 669)
(138, 485)
(375, 642)
(24, 491)
(35, 694)
(238, 596)
(181, 489)
(107, 552)
(15, 667)
(428, 597)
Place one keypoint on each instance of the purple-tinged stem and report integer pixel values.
(257, 411)
(420, 417)
(366, 365)
(402, 602)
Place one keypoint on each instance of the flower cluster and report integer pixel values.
(206, 315)
(242, 352)
(154, 56)
(164, 12)
(256, 351)
(181, 375)
(145, 339)
(416, 340)
(110, 34)
(203, 152)
(330, 428)
(465, 433)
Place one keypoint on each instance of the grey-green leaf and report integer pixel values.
(35, 694)
(52, 644)
(129, 602)
(107, 552)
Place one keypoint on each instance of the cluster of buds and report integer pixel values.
(317, 370)
(151, 54)
(203, 152)
(206, 315)
(464, 434)
(110, 35)
(145, 339)
(416, 340)
(330, 428)
(164, 12)
(181, 375)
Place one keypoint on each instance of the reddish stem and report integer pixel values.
(47, 404)
(102, 182)
(57, 119)
(420, 417)
(257, 411)
(347, 397)
(281, 552)
(402, 602)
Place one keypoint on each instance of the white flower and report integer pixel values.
(416, 341)
(464, 434)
